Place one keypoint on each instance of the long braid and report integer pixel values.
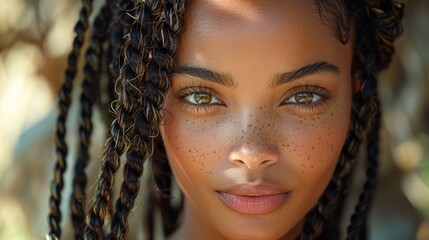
(358, 219)
(154, 82)
(132, 107)
(364, 111)
(87, 99)
(160, 191)
(57, 184)
(386, 18)
(116, 142)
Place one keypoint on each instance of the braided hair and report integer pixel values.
(128, 66)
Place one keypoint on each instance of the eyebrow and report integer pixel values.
(279, 79)
(311, 69)
(206, 74)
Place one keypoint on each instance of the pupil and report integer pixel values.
(202, 98)
(304, 97)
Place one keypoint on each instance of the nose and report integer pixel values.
(254, 151)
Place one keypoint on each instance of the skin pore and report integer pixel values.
(261, 99)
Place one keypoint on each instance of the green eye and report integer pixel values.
(304, 98)
(201, 99)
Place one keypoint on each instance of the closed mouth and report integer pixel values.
(253, 200)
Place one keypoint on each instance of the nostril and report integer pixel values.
(265, 162)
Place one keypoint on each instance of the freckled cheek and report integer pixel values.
(314, 145)
(192, 146)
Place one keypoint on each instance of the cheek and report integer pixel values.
(316, 146)
(189, 145)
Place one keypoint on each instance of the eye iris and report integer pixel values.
(304, 97)
(202, 98)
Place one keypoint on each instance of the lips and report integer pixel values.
(254, 199)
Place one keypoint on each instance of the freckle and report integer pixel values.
(332, 114)
(210, 172)
(303, 171)
(214, 151)
(312, 147)
(190, 150)
(300, 121)
(177, 148)
(312, 166)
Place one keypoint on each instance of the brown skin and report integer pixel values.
(251, 131)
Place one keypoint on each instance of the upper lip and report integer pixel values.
(254, 189)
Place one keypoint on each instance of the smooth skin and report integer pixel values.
(262, 94)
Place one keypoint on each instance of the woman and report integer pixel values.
(258, 108)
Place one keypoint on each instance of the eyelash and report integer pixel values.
(322, 94)
(196, 108)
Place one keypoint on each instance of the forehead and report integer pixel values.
(252, 27)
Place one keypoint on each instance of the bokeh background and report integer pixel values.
(35, 37)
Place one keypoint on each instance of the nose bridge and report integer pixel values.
(254, 147)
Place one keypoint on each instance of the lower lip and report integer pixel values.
(254, 205)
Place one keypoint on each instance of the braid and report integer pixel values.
(54, 218)
(114, 148)
(88, 97)
(365, 109)
(160, 191)
(133, 104)
(358, 219)
(154, 82)
(386, 16)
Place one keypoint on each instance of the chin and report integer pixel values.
(265, 234)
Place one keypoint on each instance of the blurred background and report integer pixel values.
(35, 37)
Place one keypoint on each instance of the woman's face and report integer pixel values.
(256, 117)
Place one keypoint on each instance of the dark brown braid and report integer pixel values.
(386, 17)
(145, 79)
(115, 143)
(54, 218)
(160, 194)
(372, 54)
(88, 96)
